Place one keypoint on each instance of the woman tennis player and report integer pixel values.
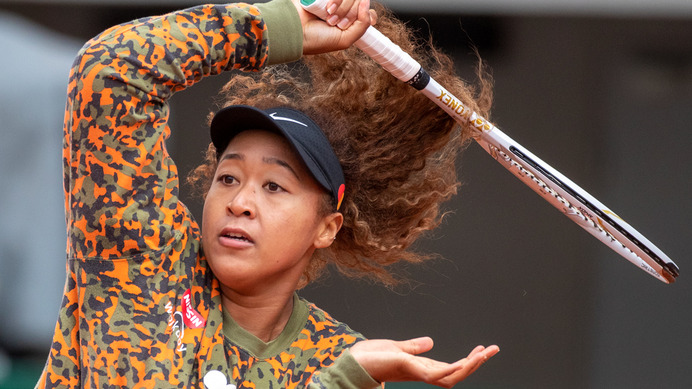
(346, 167)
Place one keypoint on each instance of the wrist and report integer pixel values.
(284, 30)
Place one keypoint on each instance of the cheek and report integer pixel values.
(211, 210)
(300, 224)
(206, 213)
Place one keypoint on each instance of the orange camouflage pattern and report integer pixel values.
(133, 248)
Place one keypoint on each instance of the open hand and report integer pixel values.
(389, 360)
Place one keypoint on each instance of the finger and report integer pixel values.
(480, 355)
(485, 355)
(333, 18)
(358, 28)
(475, 363)
(333, 6)
(415, 346)
(467, 366)
(492, 350)
(338, 11)
(476, 350)
(421, 369)
(343, 7)
(373, 17)
(488, 351)
(353, 14)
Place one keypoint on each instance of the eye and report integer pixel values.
(273, 187)
(227, 179)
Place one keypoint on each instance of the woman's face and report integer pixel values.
(261, 221)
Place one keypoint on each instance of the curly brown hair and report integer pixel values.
(396, 147)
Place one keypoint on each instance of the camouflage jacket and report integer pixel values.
(141, 307)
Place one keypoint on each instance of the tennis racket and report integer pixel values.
(554, 187)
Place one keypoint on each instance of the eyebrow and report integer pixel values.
(268, 160)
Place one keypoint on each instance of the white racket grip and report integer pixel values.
(390, 56)
(376, 45)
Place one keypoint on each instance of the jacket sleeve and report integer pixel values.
(345, 373)
(121, 186)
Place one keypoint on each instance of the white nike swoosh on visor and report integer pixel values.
(273, 116)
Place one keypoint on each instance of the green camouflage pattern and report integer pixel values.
(141, 307)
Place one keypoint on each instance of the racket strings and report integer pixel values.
(522, 171)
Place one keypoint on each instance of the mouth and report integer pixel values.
(236, 235)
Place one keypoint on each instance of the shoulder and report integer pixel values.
(325, 332)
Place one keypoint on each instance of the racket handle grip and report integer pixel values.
(377, 46)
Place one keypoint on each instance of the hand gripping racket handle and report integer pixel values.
(558, 190)
(375, 45)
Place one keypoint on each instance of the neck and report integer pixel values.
(263, 316)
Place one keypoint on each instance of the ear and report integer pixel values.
(327, 230)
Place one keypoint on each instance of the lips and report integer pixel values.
(235, 237)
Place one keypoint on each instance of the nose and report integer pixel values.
(243, 202)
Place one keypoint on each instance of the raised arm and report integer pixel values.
(121, 187)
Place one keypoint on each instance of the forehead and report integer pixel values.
(269, 148)
(261, 140)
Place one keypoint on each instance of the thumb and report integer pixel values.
(416, 346)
